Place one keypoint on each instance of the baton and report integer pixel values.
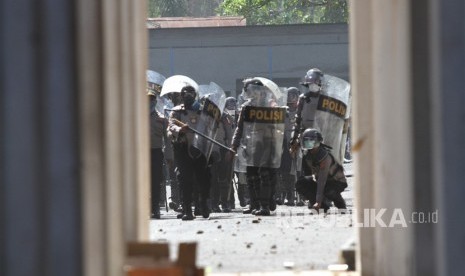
(181, 124)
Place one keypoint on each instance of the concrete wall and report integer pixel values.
(226, 55)
(407, 69)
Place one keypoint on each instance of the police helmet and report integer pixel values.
(313, 79)
(311, 138)
(292, 95)
(230, 103)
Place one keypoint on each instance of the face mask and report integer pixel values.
(188, 100)
(308, 144)
(314, 87)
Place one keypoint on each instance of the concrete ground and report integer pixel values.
(291, 239)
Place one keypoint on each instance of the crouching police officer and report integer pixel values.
(329, 174)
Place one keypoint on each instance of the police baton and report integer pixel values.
(181, 124)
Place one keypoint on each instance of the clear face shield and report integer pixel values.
(230, 108)
(292, 100)
(257, 95)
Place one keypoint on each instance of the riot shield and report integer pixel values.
(213, 100)
(175, 84)
(332, 114)
(155, 77)
(263, 134)
(163, 106)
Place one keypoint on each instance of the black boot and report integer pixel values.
(252, 182)
(204, 209)
(264, 211)
(339, 202)
(197, 209)
(225, 207)
(272, 204)
(173, 205)
(215, 206)
(188, 214)
(155, 213)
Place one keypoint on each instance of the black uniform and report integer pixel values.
(160, 149)
(222, 190)
(329, 175)
(193, 173)
(305, 114)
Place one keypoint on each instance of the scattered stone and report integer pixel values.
(273, 246)
(238, 222)
(161, 230)
(215, 221)
(219, 227)
(234, 234)
(255, 221)
(220, 265)
(249, 245)
(288, 265)
(200, 232)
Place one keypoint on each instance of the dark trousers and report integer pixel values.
(288, 188)
(156, 167)
(193, 174)
(307, 187)
(261, 183)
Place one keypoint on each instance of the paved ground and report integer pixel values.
(291, 238)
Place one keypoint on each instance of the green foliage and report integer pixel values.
(167, 8)
(272, 12)
(257, 12)
(181, 8)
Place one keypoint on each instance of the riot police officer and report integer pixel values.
(222, 170)
(306, 105)
(259, 132)
(324, 105)
(319, 162)
(160, 146)
(290, 164)
(190, 161)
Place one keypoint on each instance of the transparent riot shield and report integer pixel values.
(155, 77)
(264, 124)
(163, 106)
(332, 114)
(213, 99)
